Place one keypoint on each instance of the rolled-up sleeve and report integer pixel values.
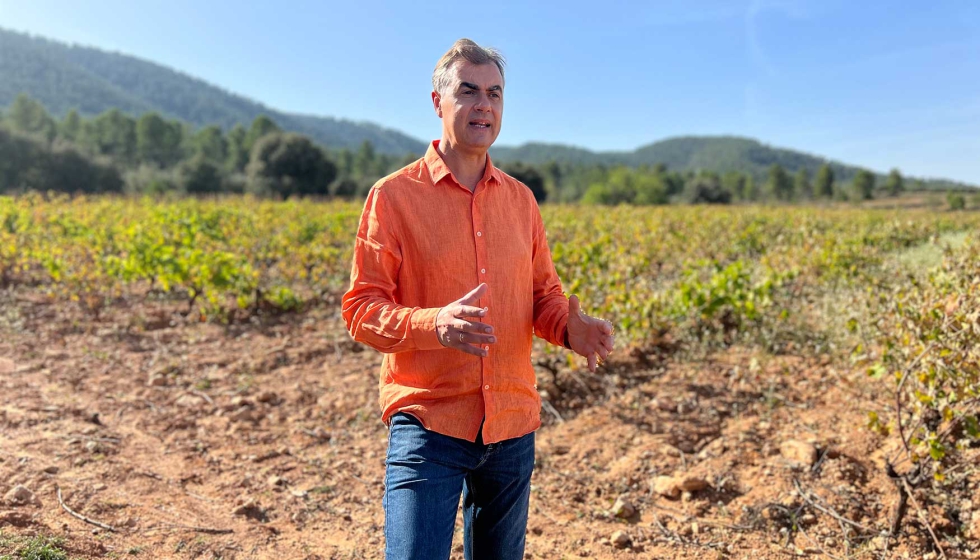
(369, 309)
(550, 303)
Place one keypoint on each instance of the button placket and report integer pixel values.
(486, 364)
(480, 248)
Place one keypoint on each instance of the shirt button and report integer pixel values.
(487, 387)
(479, 234)
(486, 348)
(483, 270)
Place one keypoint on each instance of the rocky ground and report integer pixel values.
(263, 440)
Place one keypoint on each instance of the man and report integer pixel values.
(452, 275)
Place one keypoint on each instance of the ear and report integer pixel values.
(437, 103)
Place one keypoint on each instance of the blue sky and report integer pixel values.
(878, 83)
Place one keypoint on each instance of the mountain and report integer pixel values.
(63, 77)
(692, 153)
(537, 153)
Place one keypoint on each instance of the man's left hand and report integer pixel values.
(588, 336)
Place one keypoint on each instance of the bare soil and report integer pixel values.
(263, 440)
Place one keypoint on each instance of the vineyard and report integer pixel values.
(789, 381)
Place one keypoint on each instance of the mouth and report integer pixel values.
(480, 123)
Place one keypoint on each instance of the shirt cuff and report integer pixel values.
(423, 323)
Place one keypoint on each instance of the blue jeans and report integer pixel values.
(424, 475)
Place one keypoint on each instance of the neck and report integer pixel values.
(467, 167)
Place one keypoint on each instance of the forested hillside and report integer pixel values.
(91, 81)
(720, 154)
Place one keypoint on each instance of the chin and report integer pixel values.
(481, 145)
(484, 142)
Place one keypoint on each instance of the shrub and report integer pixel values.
(199, 176)
(930, 340)
(955, 200)
(150, 180)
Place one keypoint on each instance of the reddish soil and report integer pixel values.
(169, 430)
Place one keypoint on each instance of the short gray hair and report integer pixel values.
(467, 50)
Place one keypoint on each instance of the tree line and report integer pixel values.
(599, 184)
(153, 155)
(115, 152)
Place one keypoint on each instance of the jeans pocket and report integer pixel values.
(406, 419)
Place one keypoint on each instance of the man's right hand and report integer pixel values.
(454, 331)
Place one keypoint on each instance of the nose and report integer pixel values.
(483, 104)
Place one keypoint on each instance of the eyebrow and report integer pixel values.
(474, 86)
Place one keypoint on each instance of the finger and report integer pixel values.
(470, 349)
(608, 343)
(473, 338)
(468, 311)
(573, 306)
(592, 361)
(473, 327)
(606, 327)
(473, 296)
(603, 353)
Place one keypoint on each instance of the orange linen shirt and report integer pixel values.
(423, 242)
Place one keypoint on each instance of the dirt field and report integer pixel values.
(263, 440)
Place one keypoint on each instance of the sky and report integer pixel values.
(876, 83)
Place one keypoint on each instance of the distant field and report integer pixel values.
(933, 200)
(638, 266)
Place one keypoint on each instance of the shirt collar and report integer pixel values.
(438, 170)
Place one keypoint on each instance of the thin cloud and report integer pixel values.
(757, 53)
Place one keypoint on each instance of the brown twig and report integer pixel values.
(685, 518)
(207, 530)
(581, 381)
(680, 453)
(199, 497)
(82, 517)
(898, 396)
(92, 438)
(900, 508)
(203, 395)
(925, 518)
(276, 350)
(317, 436)
(551, 409)
(793, 515)
(671, 536)
(122, 409)
(844, 530)
(829, 511)
(338, 350)
(823, 456)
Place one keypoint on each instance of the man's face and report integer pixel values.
(471, 107)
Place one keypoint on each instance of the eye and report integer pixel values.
(495, 95)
